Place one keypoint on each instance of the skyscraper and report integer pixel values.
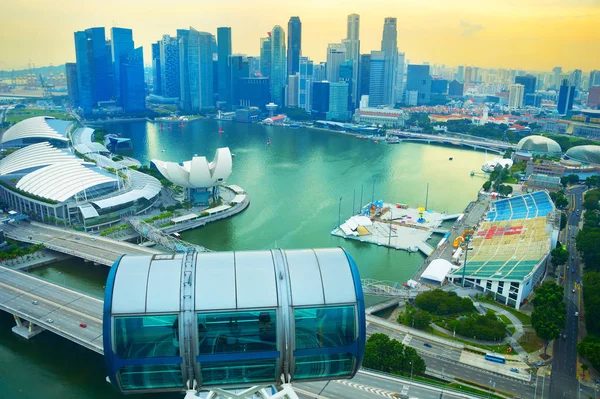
(468, 75)
(336, 54)
(169, 66)
(364, 75)
(224, 51)
(352, 44)
(528, 82)
(156, 75)
(566, 94)
(376, 78)
(185, 100)
(305, 84)
(576, 79)
(338, 101)
(320, 99)
(254, 92)
(121, 45)
(399, 78)
(557, 71)
(319, 71)
(389, 46)
(278, 64)
(239, 68)
(593, 100)
(196, 70)
(131, 79)
(460, 74)
(418, 79)
(294, 49)
(265, 56)
(455, 88)
(515, 96)
(594, 79)
(291, 91)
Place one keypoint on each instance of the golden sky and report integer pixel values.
(519, 34)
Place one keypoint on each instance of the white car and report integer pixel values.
(576, 314)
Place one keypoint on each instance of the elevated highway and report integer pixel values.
(97, 249)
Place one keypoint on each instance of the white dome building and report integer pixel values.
(539, 145)
(198, 175)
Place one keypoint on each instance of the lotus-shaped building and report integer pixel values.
(199, 176)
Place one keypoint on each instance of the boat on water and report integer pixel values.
(269, 141)
(294, 125)
(221, 129)
(376, 141)
(393, 140)
(450, 159)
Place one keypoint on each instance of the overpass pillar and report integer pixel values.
(26, 331)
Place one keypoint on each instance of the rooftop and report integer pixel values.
(42, 127)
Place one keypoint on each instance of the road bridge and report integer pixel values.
(478, 144)
(162, 238)
(97, 249)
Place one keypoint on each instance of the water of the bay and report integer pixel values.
(295, 185)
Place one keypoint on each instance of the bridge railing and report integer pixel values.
(160, 237)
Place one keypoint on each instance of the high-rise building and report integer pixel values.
(291, 90)
(278, 64)
(594, 97)
(169, 67)
(253, 64)
(319, 71)
(131, 78)
(156, 75)
(239, 69)
(576, 79)
(528, 82)
(336, 54)
(418, 79)
(338, 102)
(399, 78)
(515, 96)
(533, 99)
(352, 44)
(389, 46)
(294, 49)
(254, 92)
(265, 56)
(468, 75)
(72, 89)
(121, 45)
(557, 71)
(376, 79)
(594, 79)
(439, 86)
(184, 71)
(364, 76)
(460, 74)
(94, 67)
(566, 94)
(196, 70)
(320, 99)
(305, 84)
(223, 72)
(456, 89)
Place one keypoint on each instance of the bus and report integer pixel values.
(492, 357)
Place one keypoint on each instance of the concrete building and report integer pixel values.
(399, 90)
(528, 82)
(456, 89)
(352, 44)
(239, 68)
(265, 56)
(566, 95)
(389, 46)
(305, 84)
(544, 167)
(388, 117)
(156, 74)
(376, 78)
(72, 88)
(557, 71)
(320, 99)
(588, 131)
(536, 182)
(294, 49)
(419, 80)
(336, 54)
(593, 100)
(169, 67)
(292, 90)
(439, 86)
(254, 92)
(338, 102)
(515, 96)
(278, 64)
(594, 79)
(364, 75)
(223, 70)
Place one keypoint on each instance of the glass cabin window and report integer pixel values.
(231, 332)
(151, 376)
(239, 371)
(317, 366)
(325, 327)
(138, 337)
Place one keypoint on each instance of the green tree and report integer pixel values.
(590, 349)
(587, 243)
(591, 301)
(505, 190)
(559, 256)
(486, 327)
(443, 303)
(416, 318)
(390, 356)
(548, 317)
(563, 220)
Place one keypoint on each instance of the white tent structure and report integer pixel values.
(437, 270)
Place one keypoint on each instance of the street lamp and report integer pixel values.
(411, 369)
(490, 390)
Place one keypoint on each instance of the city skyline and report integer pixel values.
(542, 34)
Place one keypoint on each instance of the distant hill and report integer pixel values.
(45, 71)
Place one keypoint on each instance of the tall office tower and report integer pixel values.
(468, 75)
(338, 101)
(305, 83)
(460, 74)
(576, 79)
(476, 77)
(121, 45)
(72, 89)
(557, 71)
(320, 99)
(399, 78)
(352, 44)
(131, 77)
(418, 79)
(169, 66)
(185, 101)
(239, 69)
(439, 86)
(515, 96)
(594, 79)
(265, 56)
(93, 68)
(376, 78)
(254, 92)
(593, 100)
(566, 94)
(319, 72)
(336, 54)
(294, 49)
(156, 75)
(389, 46)
(528, 82)
(197, 69)
(253, 64)
(224, 52)
(291, 90)
(278, 64)
(456, 89)
(364, 76)
(346, 74)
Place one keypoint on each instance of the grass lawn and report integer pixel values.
(17, 115)
(531, 342)
(525, 319)
(505, 319)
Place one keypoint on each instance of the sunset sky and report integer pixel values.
(520, 34)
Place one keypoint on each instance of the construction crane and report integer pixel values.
(46, 89)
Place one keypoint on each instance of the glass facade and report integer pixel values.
(151, 376)
(139, 337)
(239, 371)
(235, 332)
(317, 366)
(325, 327)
